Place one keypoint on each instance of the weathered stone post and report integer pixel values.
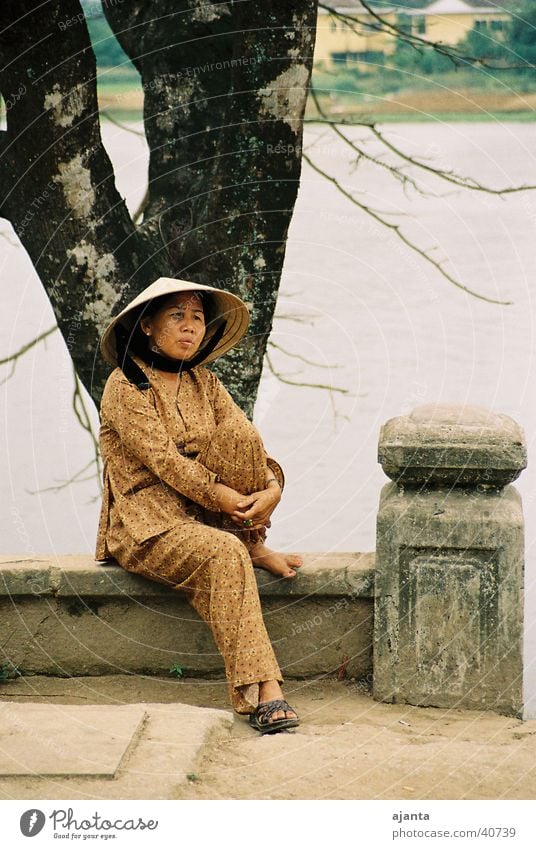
(449, 561)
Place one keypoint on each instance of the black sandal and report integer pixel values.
(260, 718)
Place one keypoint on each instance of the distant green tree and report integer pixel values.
(484, 44)
(405, 4)
(521, 34)
(108, 51)
(407, 58)
(515, 45)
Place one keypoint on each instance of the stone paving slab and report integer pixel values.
(175, 739)
(346, 747)
(139, 751)
(49, 740)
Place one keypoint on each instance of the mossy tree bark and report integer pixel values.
(225, 87)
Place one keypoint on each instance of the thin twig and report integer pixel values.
(74, 479)
(82, 414)
(300, 357)
(396, 229)
(299, 319)
(125, 127)
(395, 172)
(448, 176)
(13, 358)
(283, 379)
(80, 410)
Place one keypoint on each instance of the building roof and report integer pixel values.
(457, 7)
(497, 5)
(349, 6)
(435, 7)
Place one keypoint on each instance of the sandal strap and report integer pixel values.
(266, 709)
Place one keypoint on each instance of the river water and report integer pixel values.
(368, 315)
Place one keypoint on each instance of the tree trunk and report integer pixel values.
(57, 183)
(225, 90)
(225, 87)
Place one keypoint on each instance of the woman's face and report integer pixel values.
(177, 328)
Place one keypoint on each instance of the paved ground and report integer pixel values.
(135, 737)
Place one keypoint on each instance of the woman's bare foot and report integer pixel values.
(283, 565)
(269, 690)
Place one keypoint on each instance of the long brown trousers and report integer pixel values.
(212, 565)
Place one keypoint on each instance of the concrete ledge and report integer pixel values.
(71, 615)
(78, 574)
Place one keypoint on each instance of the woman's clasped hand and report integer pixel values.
(256, 508)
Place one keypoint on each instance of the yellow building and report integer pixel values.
(353, 39)
(357, 40)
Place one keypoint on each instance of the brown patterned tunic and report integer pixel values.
(162, 456)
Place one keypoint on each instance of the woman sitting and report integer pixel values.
(188, 487)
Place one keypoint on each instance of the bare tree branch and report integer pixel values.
(300, 357)
(122, 126)
(66, 483)
(13, 358)
(448, 176)
(396, 229)
(82, 414)
(395, 172)
(299, 319)
(284, 379)
(80, 410)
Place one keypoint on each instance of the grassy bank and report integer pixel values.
(391, 94)
(431, 99)
(385, 96)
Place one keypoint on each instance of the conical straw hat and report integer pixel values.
(229, 308)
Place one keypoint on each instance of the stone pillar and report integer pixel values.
(449, 561)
